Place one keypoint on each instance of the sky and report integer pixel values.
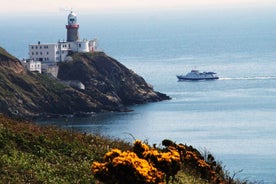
(46, 6)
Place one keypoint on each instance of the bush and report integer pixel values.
(126, 167)
(154, 165)
(144, 165)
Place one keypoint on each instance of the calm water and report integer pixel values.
(233, 117)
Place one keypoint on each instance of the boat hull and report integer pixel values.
(184, 78)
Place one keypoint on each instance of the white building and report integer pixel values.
(50, 53)
(31, 65)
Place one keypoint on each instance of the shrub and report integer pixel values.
(144, 165)
(153, 165)
(126, 167)
(168, 162)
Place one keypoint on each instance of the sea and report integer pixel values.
(234, 118)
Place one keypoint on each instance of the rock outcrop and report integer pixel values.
(109, 86)
(108, 81)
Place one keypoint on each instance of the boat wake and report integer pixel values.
(249, 78)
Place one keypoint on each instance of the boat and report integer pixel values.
(196, 75)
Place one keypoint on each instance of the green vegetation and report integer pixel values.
(34, 154)
(50, 83)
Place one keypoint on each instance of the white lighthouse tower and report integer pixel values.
(72, 28)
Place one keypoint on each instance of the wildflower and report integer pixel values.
(126, 167)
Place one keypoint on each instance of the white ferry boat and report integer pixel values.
(196, 75)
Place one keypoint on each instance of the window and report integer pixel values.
(35, 47)
(40, 53)
(79, 45)
(36, 53)
(32, 47)
(47, 53)
(32, 53)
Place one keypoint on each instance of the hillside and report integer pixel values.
(109, 87)
(34, 154)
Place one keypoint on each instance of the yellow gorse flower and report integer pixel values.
(146, 165)
(126, 167)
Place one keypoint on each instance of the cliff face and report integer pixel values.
(108, 80)
(9, 62)
(109, 87)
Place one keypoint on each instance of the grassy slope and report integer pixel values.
(6, 55)
(33, 154)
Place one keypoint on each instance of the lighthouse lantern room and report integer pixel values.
(72, 28)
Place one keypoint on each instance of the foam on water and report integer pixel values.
(249, 78)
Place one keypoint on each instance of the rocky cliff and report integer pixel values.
(109, 86)
(108, 81)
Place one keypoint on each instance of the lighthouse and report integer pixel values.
(50, 53)
(72, 28)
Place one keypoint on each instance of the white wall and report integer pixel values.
(43, 52)
(56, 52)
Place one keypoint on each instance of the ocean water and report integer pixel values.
(233, 118)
